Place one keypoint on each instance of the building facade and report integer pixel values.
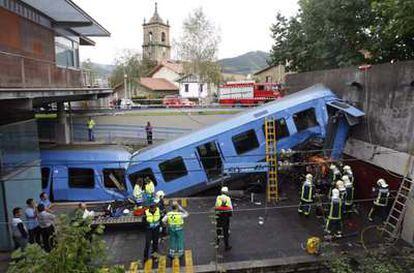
(274, 73)
(156, 46)
(191, 87)
(39, 64)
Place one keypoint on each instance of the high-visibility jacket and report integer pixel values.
(150, 188)
(223, 203)
(307, 192)
(137, 191)
(342, 194)
(335, 211)
(334, 175)
(175, 219)
(91, 124)
(382, 198)
(153, 219)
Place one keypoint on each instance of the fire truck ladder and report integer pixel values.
(271, 159)
(395, 218)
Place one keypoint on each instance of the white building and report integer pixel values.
(191, 87)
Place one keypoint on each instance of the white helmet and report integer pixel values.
(282, 151)
(224, 190)
(335, 193)
(340, 185)
(346, 168)
(382, 183)
(332, 167)
(309, 177)
(159, 194)
(125, 211)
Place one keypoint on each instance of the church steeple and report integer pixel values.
(156, 44)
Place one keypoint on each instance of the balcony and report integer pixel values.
(17, 71)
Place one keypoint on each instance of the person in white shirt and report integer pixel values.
(46, 223)
(85, 212)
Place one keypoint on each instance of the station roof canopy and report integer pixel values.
(67, 14)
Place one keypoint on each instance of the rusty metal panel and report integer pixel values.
(10, 30)
(10, 71)
(36, 73)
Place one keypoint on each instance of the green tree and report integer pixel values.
(79, 249)
(328, 34)
(133, 65)
(198, 47)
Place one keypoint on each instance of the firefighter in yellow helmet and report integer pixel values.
(334, 221)
(224, 210)
(379, 207)
(306, 196)
(175, 221)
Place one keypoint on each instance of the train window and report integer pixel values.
(140, 175)
(118, 174)
(281, 129)
(173, 169)
(81, 178)
(305, 119)
(45, 177)
(245, 141)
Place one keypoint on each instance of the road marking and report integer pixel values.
(133, 268)
(148, 266)
(162, 264)
(176, 265)
(189, 262)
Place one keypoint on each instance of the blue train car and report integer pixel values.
(195, 162)
(84, 173)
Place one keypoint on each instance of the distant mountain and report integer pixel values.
(247, 63)
(102, 70)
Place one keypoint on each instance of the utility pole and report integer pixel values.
(125, 85)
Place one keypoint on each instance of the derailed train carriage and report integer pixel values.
(196, 161)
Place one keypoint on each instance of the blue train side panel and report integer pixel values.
(194, 162)
(82, 173)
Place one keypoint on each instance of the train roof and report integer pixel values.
(314, 92)
(85, 153)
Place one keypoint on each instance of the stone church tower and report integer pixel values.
(156, 44)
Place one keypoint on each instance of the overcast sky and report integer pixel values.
(244, 24)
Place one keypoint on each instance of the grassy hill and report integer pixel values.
(247, 63)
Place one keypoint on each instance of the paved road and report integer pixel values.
(191, 121)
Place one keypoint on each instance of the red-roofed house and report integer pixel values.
(169, 70)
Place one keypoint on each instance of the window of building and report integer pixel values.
(268, 78)
(173, 169)
(118, 174)
(281, 129)
(45, 177)
(150, 36)
(305, 119)
(67, 52)
(81, 178)
(138, 177)
(163, 37)
(201, 88)
(245, 142)
(186, 87)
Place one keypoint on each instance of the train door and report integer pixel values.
(210, 159)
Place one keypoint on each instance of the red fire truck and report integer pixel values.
(248, 93)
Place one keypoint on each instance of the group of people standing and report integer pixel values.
(38, 226)
(162, 220)
(340, 193)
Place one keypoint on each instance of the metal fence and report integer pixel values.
(111, 133)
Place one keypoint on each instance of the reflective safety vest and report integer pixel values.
(137, 191)
(153, 219)
(175, 219)
(382, 198)
(223, 203)
(335, 212)
(342, 194)
(91, 124)
(150, 188)
(307, 192)
(349, 195)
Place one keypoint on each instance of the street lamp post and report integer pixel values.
(125, 85)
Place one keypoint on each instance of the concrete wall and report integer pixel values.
(385, 92)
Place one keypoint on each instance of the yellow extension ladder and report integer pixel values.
(271, 159)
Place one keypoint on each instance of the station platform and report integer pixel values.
(261, 235)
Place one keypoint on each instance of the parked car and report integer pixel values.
(177, 102)
(125, 104)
